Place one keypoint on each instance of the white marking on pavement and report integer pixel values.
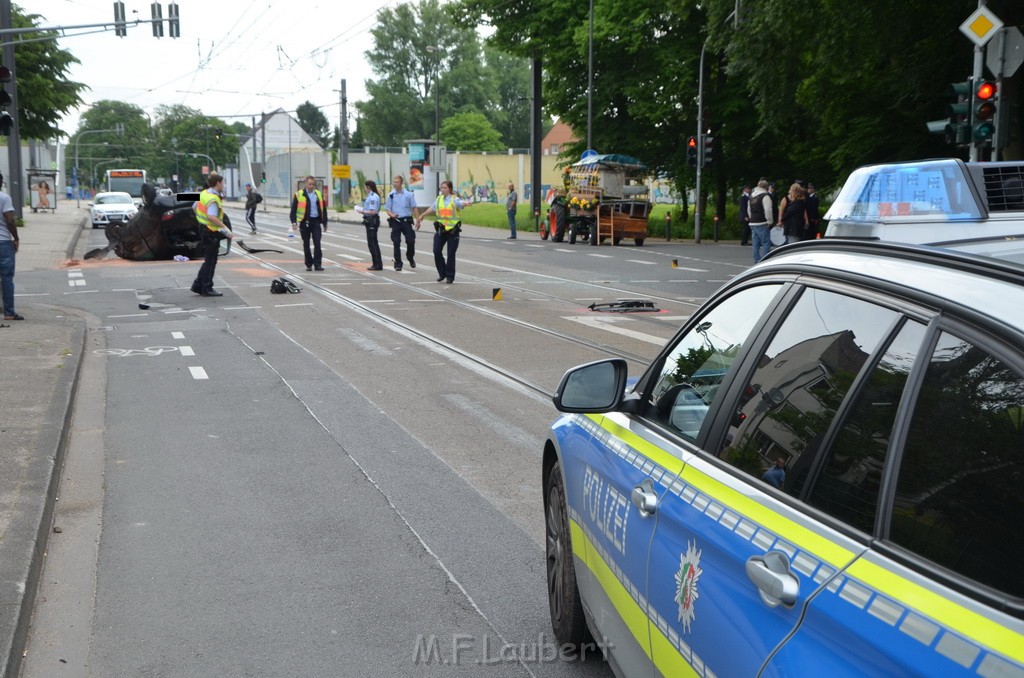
(602, 256)
(198, 373)
(75, 274)
(177, 335)
(240, 308)
(561, 250)
(349, 256)
(674, 317)
(692, 270)
(639, 261)
(37, 294)
(127, 315)
(76, 283)
(186, 350)
(82, 292)
(606, 323)
(287, 305)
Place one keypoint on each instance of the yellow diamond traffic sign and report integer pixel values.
(981, 26)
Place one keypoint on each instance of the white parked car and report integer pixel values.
(112, 208)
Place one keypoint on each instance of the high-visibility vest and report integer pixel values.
(203, 206)
(300, 204)
(447, 214)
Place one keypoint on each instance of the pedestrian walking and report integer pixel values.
(209, 213)
(252, 198)
(760, 211)
(793, 214)
(511, 202)
(371, 221)
(309, 215)
(447, 228)
(8, 248)
(745, 214)
(400, 207)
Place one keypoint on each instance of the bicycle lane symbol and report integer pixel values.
(149, 352)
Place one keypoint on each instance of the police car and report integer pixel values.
(823, 471)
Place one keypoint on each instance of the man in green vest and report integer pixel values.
(309, 216)
(210, 214)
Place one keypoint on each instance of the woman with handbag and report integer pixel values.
(793, 214)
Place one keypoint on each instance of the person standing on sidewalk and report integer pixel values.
(371, 220)
(400, 207)
(309, 215)
(760, 210)
(446, 230)
(745, 214)
(252, 198)
(510, 206)
(8, 248)
(209, 211)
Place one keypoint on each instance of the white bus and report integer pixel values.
(127, 180)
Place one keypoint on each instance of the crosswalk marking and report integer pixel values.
(608, 324)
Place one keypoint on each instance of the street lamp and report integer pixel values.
(435, 49)
(78, 193)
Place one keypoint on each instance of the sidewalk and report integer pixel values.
(39, 360)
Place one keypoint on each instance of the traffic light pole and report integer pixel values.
(974, 84)
(14, 186)
(700, 145)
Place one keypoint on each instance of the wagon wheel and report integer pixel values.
(616, 240)
(639, 241)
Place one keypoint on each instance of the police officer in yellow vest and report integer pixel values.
(447, 207)
(309, 215)
(210, 215)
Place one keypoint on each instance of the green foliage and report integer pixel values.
(791, 89)
(314, 122)
(413, 83)
(44, 92)
(471, 132)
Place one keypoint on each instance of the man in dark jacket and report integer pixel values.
(813, 213)
(252, 198)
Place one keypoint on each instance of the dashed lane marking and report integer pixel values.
(608, 325)
(198, 373)
(639, 261)
(177, 335)
(186, 350)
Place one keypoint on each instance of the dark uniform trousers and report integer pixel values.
(443, 239)
(311, 232)
(399, 227)
(372, 223)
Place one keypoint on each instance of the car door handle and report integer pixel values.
(776, 584)
(644, 498)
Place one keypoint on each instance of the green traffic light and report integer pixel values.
(983, 131)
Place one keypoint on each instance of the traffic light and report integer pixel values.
(959, 126)
(157, 13)
(984, 111)
(709, 149)
(6, 119)
(173, 27)
(691, 151)
(263, 177)
(217, 133)
(120, 29)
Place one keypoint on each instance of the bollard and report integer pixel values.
(536, 219)
(668, 226)
(716, 228)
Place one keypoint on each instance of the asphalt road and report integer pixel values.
(340, 482)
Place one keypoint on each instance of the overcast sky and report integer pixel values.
(248, 56)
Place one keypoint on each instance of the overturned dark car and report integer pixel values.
(164, 228)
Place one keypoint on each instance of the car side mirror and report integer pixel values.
(595, 387)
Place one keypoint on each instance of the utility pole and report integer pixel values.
(263, 154)
(343, 144)
(14, 182)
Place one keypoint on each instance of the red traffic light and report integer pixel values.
(5, 74)
(691, 142)
(986, 90)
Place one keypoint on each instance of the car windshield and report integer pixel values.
(123, 199)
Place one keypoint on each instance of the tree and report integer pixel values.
(314, 122)
(44, 92)
(101, 148)
(401, 102)
(471, 132)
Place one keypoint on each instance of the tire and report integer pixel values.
(639, 241)
(564, 603)
(543, 233)
(616, 240)
(572, 234)
(95, 225)
(594, 239)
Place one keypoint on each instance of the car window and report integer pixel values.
(959, 497)
(799, 383)
(693, 370)
(848, 484)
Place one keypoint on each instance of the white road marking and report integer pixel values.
(75, 274)
(127, 315)
(177, 335)
(557, 249)
(38, 294)
(81, 291)
(198, 373)
(286, 305)
(692, 270)
(602, 256)
(640, 261)
(607, 323)
(186, 350)
(241, 308)
(349, 256)
(76, 283)
(674, 317)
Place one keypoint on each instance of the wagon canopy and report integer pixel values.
(611, 161)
